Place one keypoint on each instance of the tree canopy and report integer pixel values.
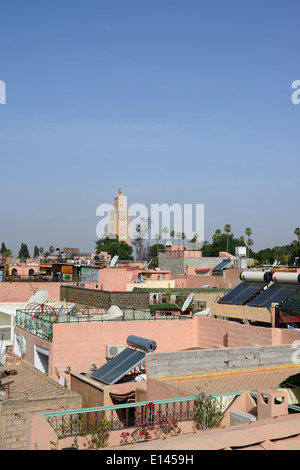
(24, 252)
(114, 247)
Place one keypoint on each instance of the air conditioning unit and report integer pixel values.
(113, 349)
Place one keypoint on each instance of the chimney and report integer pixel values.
(271, 403)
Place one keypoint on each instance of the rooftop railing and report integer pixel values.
(41, 325)
(74, 423)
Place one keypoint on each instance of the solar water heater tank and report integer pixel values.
(286, 278)
(147, 345)
(256, 276)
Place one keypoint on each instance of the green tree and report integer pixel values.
(165, 230)
(157, 238)
(36, 252)
(114, 247)
(152, 252)
(297, 232)
(172, 234)
(24, 252)
(3, 248)
(285, 258)
(248, 232)
(249, 243)
(207, 412)
(217, 234)
(8, 253)
(227, 229)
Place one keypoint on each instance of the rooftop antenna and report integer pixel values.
(61, 307)
(114, 261)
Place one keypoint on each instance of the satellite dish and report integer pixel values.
(187, 302)
(114, 261)
(69, 309)
(39, 297)
(113, 312)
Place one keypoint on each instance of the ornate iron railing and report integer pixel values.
(76, 423)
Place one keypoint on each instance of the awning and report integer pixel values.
(128, 397)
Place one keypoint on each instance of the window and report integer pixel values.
(41, 359)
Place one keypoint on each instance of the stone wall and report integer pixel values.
(193, 362)
(15, 418)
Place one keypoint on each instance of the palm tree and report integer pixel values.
(172, 234)
(51, 249)
(217, 234)
(286, 259)
(165, 231)
(297, 232)
(157, 238)
(183, 236)
(178, 235)
(227, 229)
(248, 232)
(249, 243)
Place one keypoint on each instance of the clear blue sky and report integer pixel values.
(176, 101)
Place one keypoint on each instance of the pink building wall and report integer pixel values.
(22, 291)
(79, 345)
(230, 279)
(113, 279)
(86, 342)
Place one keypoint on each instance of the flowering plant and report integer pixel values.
(151, 426)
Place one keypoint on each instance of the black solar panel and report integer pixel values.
(276, 293)
(119, 366)
(242, 293)
(221, 265)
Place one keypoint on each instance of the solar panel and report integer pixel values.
(276, 293)
(119, 366)
(221, 265)
(242, 293)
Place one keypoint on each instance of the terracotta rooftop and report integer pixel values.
(232, 381)
(29, 383)
(279, 433)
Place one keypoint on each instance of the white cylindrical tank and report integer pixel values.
(256, 276)
(286, 278)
